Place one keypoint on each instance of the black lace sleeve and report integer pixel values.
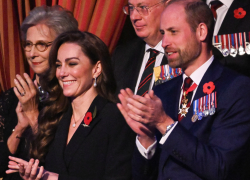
(8, 103)
(8, 121)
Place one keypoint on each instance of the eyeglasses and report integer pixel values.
(142, 10)
(40, 46)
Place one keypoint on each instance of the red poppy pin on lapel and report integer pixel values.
(208, 87)
(89, 117)
(239, 13)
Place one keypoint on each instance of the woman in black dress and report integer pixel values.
(91, 140)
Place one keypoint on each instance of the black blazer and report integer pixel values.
(101, 151)
(232, 25)
(216, 147)
(126, 62)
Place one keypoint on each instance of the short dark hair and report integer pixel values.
(198, 12)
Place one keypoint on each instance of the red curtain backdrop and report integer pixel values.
(103, 18)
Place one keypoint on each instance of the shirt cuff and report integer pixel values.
(165, 136)
(147, 153)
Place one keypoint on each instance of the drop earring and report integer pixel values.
(95, 84)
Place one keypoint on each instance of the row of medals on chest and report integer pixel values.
(198, 115)
(224, 45)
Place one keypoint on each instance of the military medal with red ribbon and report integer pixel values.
(241, 48)
(163, 74)
(213, 103)
(205, 105)
(233, 50)
(184, 109)
(247, 44)
(195, 111)
(216, 43)
(225, 51)
(168, 73)
(200, 112)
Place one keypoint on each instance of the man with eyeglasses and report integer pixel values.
(203, 115)
(133, 63)
(232, 20)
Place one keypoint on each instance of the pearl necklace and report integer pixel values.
(74, 124)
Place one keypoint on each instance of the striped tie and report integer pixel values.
(147, 74)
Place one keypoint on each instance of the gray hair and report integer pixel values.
(55, 18)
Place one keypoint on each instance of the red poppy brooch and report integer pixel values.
(208, 87)
(89, 117)
(239, 13)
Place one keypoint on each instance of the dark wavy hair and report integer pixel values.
(57, 103)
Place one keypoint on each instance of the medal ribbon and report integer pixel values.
(165, 72)
(240, 37)
(209, 100)
(195, 107)
(190, 89)
(168, 71)
(236, 41)
(245, 40)
(229, 41)
(232, 40)
(200, 115)
(223, 41)
(216, 39)
(162, 72)
(215, 99)
(220, 40)
(226, 41)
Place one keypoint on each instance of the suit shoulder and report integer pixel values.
(230, 76)
(111, 112)
(113, 119)
(127, 47)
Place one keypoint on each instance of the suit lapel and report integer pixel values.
(173, 111)
(230, 22)
(82, 132)
(213, 73)
(164, 60)
(61, 140)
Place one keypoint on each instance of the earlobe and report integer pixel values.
(202, 31)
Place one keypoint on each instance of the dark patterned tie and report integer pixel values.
(187, 84)
(147, 74)
(214, 6)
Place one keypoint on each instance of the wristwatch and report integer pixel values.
(169, 127)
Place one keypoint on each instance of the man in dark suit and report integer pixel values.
(202, 115)
(228, 23)
(129, 60)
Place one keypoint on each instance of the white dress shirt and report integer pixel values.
(196, 76)
(221, 13)
(158, 60)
